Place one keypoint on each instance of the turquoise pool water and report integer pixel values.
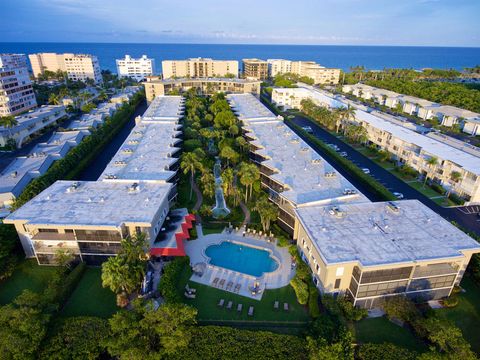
(241, 258)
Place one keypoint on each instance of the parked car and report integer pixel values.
(308, 129)
(398, 195)
(366, 170)
(333, 146)
(343, 154)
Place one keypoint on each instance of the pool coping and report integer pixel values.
(270, 252)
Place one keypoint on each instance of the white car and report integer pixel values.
(398, 195)
(343, 154)
(366, 170)
(308, 129)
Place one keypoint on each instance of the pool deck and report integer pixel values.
(273, 280)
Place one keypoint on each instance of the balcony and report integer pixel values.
(54, 236)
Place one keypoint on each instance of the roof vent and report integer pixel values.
(330, 174)
(133, 187)
(102, 199)
(336, 211)
(127, 151)
(73, 187)
(316, 161)
(349, 192)
(14, 174)
(120, 163)
(393, 207)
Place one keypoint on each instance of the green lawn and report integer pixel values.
(183, 197)
(466, 315)
(27, 275)
(208, 297)
(379, 330)
(90, 298)
(213, 228)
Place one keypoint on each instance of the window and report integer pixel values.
(339, 271)
(337, 283)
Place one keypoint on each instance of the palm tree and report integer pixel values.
(455, 176)
(54, 99)
(267, 211)
(189, 164)
(249, 174)
(228, 177)
(432, 162)
(207, 180)
(8, 122)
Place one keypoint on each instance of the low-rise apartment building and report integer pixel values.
(31, 123)
(133, 195)
(293, 174)
(405, 145)
(255, 69)
(137, 69)
(446, 115)
(158, 87)
(319, 74)
(18, 174)
(16, 92)
(79, 67)
(199, 68)
(369, 251)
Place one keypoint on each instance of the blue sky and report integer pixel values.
(342, 22)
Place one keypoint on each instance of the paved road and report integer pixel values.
(469, 218)
(95, 169)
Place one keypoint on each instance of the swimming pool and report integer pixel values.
(241, 258)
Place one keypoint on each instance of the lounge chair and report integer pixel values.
(229, 286)
(250, 311)
(275, 305)
(229, 305)
(190, 290)
(222, 282)
(285, 306)
(237, 288)
(239, 308)
(215, 281)
(221, 302)
(189, 295)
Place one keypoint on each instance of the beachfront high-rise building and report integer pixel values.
(16, 92)
(319, 74)
(255, 69)
(137, 69)
(79, 67)
(199, 68)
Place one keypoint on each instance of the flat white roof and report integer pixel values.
(248, 108)
(302, 170)
(374, 234)
(34, 116)
(146, 154)
(211, 79)
(433, 147)
(94, 203)
(164, 108)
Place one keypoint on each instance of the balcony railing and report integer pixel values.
(54, 236)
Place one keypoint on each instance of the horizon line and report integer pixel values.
(248, 44)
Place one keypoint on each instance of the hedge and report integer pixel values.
(301, 290)
(77, 159)
(313, 308)
(168, 286)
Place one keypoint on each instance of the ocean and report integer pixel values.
(372, 57)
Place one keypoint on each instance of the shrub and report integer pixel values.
(400, 307)
(450, 302)
(351, 312)
(384, 351)
(61, 286)
(313, 308)
(301, 290)
(438, 188)
(192, 144)
(169, 281)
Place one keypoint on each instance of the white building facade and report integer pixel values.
(16, 92)
(137, 69)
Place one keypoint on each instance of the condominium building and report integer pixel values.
(255, 69)
(31, 123)
(23, 169)
(199, 68)
(405, 145)
(319, 74)
(293, 174)
(79, 67)
(369, 251)
(16, 92)
(157, 87)
(137, 69)
(446, 115)
(133, 195)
